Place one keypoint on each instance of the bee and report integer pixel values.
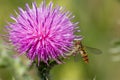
(79, 48)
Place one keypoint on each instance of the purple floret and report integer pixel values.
(43, 33)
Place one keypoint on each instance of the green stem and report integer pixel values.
(44, 70)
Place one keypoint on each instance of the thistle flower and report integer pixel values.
(43, 33)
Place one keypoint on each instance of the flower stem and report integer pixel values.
(44, 70)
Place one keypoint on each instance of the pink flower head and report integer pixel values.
(43, 33)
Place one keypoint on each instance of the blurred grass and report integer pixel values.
(99, 25)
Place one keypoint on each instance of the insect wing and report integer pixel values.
(93, 50)
(77, 58)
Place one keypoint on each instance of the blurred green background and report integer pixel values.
(99, 22)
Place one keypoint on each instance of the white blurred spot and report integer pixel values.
(13, 78)
(94, 78)
(114, 50)
(116, 58)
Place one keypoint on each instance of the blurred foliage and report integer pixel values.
(12, 68)
(99, 25)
